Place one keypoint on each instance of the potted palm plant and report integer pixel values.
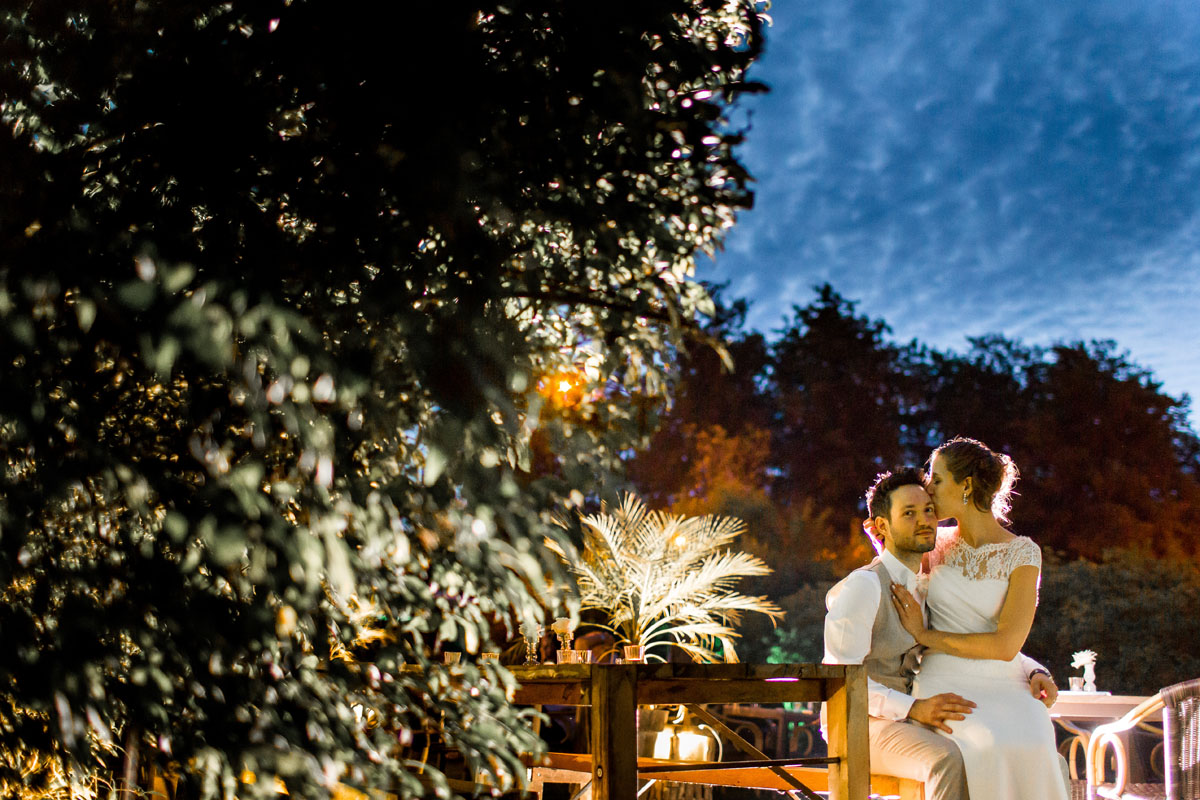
(664, 580)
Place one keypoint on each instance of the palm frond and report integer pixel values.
(667, 580)
(718, 572)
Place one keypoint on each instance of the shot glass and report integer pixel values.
(1076, 683)
(583, 656)
(451, 656)
(634, 653)
(565, 656)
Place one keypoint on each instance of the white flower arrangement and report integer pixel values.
(1084, 658)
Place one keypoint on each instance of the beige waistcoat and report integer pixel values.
(895, 655)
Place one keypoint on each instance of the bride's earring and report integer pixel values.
(966, 495)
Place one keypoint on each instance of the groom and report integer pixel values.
(861, 629)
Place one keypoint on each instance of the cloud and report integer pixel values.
(1016, 168)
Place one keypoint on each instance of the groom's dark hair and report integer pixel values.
(879, 496)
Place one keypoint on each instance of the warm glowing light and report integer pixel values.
(692, 746)
(663, 742)
(564, 389)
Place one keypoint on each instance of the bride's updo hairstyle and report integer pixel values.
(992, 474)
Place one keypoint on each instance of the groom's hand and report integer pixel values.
(935, 711)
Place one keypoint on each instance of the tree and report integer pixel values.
(844, 396)
(716, 404)
(981, 394)
(722, 467)
(1106, 457)
(1104, 454)
(280, 284)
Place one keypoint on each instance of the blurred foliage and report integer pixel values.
(281, 283)
(800, 639)
(715, 394)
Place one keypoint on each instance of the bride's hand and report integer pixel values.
(909, 611)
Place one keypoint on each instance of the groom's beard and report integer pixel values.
(923, 540)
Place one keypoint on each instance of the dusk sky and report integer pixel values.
(1019, 167)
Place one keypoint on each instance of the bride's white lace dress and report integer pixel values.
(1007, 742)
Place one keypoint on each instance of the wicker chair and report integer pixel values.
(1180, 706)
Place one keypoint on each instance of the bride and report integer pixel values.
(981, 599)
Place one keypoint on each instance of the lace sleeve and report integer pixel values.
(1023, 552)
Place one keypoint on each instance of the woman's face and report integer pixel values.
(947, 493)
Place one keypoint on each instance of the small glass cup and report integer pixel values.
(565, 656)
(531, 645)
(451, 656)
(634, 653)
(583, 656)
(490, 657)
(1076, 683)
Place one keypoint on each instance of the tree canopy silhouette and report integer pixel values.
(1108, 459)
(842, 405)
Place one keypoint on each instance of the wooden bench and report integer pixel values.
(576, 768)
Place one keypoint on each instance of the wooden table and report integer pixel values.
(613, 693)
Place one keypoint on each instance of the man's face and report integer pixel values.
(911, 526)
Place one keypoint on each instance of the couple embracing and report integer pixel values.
(939, 620)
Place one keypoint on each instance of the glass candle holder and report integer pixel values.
(635, 653)
(531, 647)
(583, 656)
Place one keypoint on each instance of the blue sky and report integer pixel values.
(1018, 167)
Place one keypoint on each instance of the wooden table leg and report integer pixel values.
(846, 718)
(614, 732)
(781, 735)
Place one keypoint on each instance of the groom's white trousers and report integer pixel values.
(909, 750)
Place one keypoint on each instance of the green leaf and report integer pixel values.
(176, 277)
(137, 295)
(227, 545)
(435, 465)
(176, 526)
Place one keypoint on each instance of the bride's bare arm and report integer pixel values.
(1012, 626)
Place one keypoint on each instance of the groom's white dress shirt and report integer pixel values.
(852, 606)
